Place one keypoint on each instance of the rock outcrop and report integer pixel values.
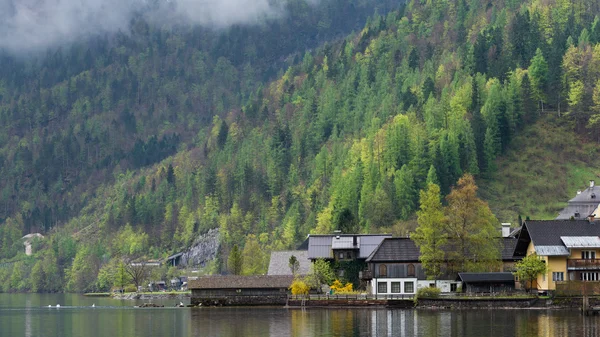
(204, 249)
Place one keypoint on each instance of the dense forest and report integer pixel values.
(131, 145)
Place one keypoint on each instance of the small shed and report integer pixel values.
(175, 259)
(240, 290)
(487, 282)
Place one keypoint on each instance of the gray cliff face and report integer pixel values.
(204, 250)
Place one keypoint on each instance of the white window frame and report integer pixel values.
(588, 254)
(558, 276)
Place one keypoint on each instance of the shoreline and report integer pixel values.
(142, 296)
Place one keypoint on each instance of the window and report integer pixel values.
(588, 276)
(341, 256)
(558, 276)
(396, 288)
(409, 287)
(381, 287)
(382, 270)
(410, 270)
(453, 287)
(588, 254)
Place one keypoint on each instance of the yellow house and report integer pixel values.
(569, 247)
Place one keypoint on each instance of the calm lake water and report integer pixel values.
(28, 315)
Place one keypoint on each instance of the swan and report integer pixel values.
(49, 305)
(58, 305)
(93, 305)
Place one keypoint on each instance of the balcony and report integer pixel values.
(365, 275)
(583, 264)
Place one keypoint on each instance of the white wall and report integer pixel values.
(388, 281)
(444, 285)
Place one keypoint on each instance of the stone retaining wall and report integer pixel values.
(404, 304)
(471, 303)
(240, 300)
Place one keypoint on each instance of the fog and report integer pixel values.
(27, 25)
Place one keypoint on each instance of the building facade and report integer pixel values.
(570, 249)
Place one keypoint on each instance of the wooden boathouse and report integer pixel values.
(234, 290)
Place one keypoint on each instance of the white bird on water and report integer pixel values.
(49, 305)
(93, 305)
(58, 305)
(181, 304)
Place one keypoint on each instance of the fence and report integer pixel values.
(577, 288)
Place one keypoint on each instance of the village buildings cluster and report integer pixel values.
(569, 246)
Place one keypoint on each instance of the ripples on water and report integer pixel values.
(29, 315)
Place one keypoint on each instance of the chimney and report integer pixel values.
(505, 229)
(592, 183)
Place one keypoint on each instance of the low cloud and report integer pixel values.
(27, 25)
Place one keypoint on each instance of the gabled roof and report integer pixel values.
(405, 250)
(508, 248)
(581, 241)
(320, 246)
(485, 277)
(395, 249)
(590, 194)
(279, 264)
(547, 235)
(549, 232)
(241, 282)
(582, 205)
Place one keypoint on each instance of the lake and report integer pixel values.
(29, 315)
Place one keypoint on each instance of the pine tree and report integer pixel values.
(235, 261)
(538, 75)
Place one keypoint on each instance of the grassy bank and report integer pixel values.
(538, 176)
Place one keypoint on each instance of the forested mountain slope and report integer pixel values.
(343, 139)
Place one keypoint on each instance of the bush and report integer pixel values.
(299, 287)
(428, 292)
(130, 288)
(339, 288)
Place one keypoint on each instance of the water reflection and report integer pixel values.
(29, 315)
(382, 322)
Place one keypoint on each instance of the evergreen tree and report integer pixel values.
(430, 236)
(235, 261)
(538, 76)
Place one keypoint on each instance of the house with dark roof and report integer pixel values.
(349, 251)
(583, 205)
(240, 290)
(394, 267)
(568, 247)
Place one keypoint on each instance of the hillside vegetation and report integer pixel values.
(543, 168)
(344, 139)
